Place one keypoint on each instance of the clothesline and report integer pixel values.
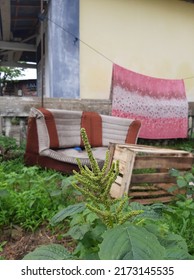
(188, 78)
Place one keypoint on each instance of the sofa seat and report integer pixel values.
(70, 155)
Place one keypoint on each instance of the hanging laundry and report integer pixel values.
(160, 104)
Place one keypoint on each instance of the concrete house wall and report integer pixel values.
(151, 37)
(62, 53)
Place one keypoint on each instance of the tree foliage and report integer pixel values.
(9, 74)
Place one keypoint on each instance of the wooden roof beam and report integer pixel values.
(6, 19)
(15, 46)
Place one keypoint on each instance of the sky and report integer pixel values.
(28, 74)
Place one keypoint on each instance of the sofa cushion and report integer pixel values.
(70, 155)
(68, 124)
(114, 129)
(51, 127)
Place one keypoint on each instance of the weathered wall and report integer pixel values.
(154, 38)
(16, 110)
(63, 49)
(20, 106)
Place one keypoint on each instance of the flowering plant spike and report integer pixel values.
(95, 184)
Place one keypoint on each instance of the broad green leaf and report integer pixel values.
(172, 189)
(181, 182)
(153, 212)
(91, 217)
(91, 256)
(175, 246)
(136, 206)
(67, 212)
(78, 231)
(51, 177)
(130, 242)
(68, 181)
(86, 252)
(77, 219)
(55, 193)
(49, 252)
(97, 231)
(185, 213)
(189, 177)
(174, 172)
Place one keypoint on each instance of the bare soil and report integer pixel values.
(19, 242)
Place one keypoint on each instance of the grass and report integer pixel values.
(178, 144)
(30, 196)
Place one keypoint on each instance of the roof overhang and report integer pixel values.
(19, 29)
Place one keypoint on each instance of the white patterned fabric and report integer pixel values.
(160, 104)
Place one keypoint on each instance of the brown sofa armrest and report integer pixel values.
(92, 122)
(133, 132)
(32, 136)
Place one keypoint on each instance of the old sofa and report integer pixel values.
(54, 141)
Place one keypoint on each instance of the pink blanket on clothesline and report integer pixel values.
(160, 104)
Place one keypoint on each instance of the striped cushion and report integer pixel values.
(114, 129)
(68, 124)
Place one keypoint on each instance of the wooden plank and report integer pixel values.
(163, 162)
(154, 188)
(115, 190)
(119, 180)
(143, 188)
(128, 172)
(167, 186)
(151, 149)
(150, 194)
(111, 154)
(122, 166)
(154, 200)
(152, 178)
(120, 154)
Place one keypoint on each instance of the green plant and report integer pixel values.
(179, 217)
(8, 74)
(95, 184)
(179, 144)
(29, 196)
(184, 182)
(9, 149)
(102, 225)
(2, 244)
(126, 241)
